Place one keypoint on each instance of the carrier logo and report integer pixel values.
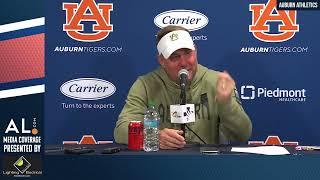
(249, 92)
(191, 20)
(263, 14)
(88, 11)
(87, 89)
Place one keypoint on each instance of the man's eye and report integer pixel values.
(174, 58)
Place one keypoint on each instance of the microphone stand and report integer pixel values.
(183, 100)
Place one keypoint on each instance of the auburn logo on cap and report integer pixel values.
(88, 10)
(174, 36)
(262, 14)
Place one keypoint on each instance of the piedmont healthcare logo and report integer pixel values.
(250, 92)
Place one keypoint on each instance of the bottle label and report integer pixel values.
(151, 123)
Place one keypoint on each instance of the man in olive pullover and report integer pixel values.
(218, 110)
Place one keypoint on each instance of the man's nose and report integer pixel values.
(183, 61)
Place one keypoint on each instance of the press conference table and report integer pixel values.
(182, 164)
(189, 149)
(98, 149)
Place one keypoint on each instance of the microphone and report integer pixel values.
(183, 77)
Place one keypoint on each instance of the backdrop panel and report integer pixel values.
(275, 68)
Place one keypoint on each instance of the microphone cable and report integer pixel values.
(196, 134)
(183, 99)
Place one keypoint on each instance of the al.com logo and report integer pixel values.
(88, 11)
(262, 14)
(250, 92)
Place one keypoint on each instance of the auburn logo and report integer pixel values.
(262, 14)
(88, 10)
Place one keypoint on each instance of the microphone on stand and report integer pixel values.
(183, 78)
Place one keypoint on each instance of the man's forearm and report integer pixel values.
(234, 122)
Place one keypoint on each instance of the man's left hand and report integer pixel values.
(224, 87)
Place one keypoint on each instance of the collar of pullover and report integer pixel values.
(201, 70)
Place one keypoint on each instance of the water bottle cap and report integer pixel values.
(151, 104)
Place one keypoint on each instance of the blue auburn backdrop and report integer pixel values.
(273, 57)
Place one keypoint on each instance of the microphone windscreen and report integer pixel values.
(183, 71)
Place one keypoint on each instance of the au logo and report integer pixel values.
(263, 14)
(88, 11)
(174, 37)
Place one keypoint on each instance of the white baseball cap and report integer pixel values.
(173, 41)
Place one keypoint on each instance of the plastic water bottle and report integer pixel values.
(151, 129)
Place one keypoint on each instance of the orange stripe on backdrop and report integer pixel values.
(22, 58)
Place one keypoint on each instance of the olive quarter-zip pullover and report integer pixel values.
(212, 118)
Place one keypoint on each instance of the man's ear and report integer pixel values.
(160, 60)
